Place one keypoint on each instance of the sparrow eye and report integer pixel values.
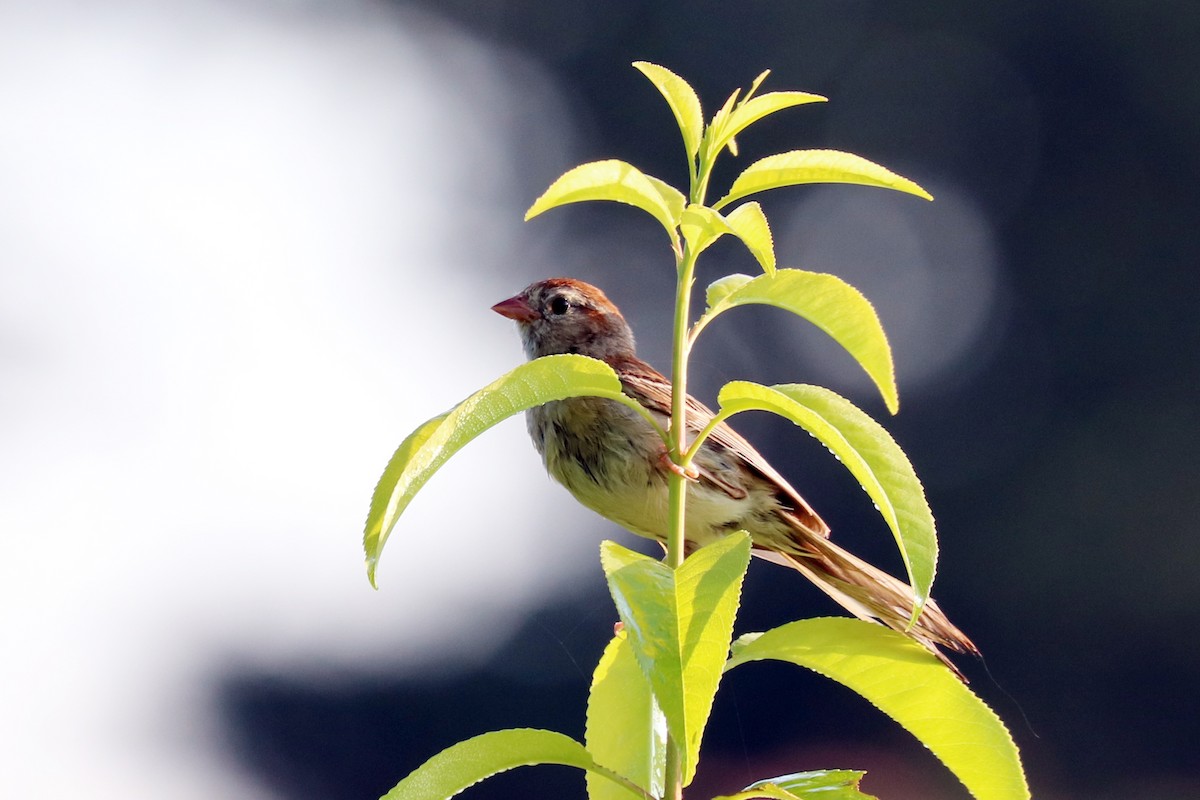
(559, 305)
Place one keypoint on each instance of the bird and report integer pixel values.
(614, 462)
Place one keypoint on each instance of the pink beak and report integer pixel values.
(516, 308)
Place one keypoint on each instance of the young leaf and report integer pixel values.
(832, 305)
(626, 730)
(822, 784)
(682, 99)
(717, 127)
(433, 443)
(701, 227)
(607, 180)
(757, 82)
(755, 108)
(814, 166)
(909, 684)
(750, 224)
(468, 762)
(679, 623)
(870, 454)
(721, 288)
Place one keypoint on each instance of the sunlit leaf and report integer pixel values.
(607, 180)
(871, 455)
(910, 685)
(682, 99)
(717, 127)
(701, 227)
(467, 763)
(433, 443)
(757, 82)
(815, 166)
(672, 197)
(721, 288)
(626, 731)
(754, 109)
(679, 623)
(822, 784)
(832, 305)
(750, 224)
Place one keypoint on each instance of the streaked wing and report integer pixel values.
(649, 387)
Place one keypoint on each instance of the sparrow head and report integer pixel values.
(563, 315)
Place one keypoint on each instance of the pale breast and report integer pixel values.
(606, 456)
(609, 459)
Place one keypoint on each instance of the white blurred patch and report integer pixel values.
(930, 270)
(243, 252)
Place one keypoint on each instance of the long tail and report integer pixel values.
(871, 594)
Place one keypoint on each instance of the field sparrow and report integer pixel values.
(613, 463)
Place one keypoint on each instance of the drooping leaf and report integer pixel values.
(755, 108)
(672, 197)
(701, 227)
(682, 99)
(822, 784)
(871, 455)
(910, 685)
(607, 180)
(433, 443)
(750, 224)
(815, 166)
(468, 762)
(832, 305)
(679, 623)
(626, 730)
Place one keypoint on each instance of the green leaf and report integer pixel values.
(762, 76)
(682, 99)
(680, 622)
(832, 305)
(715, 129)
(750, 224)
(468, 762)
(701, 227)
(823, 784)
(755, 108)
(767, 791)
(909, 684)
(433, 443)
(870, 454)
(607, 180)
(672, 197)
(626, 730)
(815, 166)
(721, 288)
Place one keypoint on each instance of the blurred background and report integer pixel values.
(246, 247)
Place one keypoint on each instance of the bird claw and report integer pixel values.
(688, 473)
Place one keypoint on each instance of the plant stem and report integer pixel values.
(677, 484)
(678, 433)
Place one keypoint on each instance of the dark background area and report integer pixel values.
(1059, 459)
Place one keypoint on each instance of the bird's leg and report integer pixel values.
(689, 472)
